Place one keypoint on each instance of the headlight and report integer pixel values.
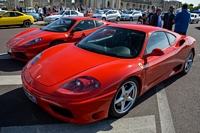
(33, 41)
(34, 60)
(79, 85)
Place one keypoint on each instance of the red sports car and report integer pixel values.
(105, 72)
(29, 43)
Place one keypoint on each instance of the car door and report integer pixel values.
(81, 30)
(109, 15)
(5, 20)
(158, 68)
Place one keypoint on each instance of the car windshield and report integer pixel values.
(99, 12)
(60, 25)
(113, 41)
(60, 12)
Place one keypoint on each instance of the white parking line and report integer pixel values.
(166, 121)
(10, 80)
(144, 124)
(5, 56)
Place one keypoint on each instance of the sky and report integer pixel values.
(195, 2)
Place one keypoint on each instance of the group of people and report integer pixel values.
(180, 20)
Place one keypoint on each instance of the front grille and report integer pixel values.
(20, 55)
(62, 111)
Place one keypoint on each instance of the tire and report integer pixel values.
(27, 23)
(131, 19)
(54, 43)
(124, 98)
(104, 18)
(118, 19)
(188, 62)
(197, 22)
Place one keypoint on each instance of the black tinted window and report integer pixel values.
(74, 13)
(60, 25)
(85, 24)
(98, 23)
(157, 40)
(171, 38)
(67, 13)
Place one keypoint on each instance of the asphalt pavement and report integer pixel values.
(172, 106)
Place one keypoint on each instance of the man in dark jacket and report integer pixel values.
(168, 18)
(156, 19)
(149, 17)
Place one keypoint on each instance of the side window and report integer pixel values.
(7, 14)
(12, 14)
(157, 40)
(74, 13)
(85, 24)
(110, 12)
(18, 14)
(98, 23)
(171, 38)
(67, 13)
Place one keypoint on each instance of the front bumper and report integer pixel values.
(25, 53)
(73, 111)
(125, 18)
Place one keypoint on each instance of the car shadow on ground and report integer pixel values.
(11, 27)
(155, 89)
(198, 28)
(20, 111)
(11, 65)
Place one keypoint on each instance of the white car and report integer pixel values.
(109, 15)
(68, 13)
(194, 18)
(131, 15)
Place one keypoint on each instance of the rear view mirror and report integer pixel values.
(76, 29)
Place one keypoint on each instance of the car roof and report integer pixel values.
(143, 28)
(80, 18)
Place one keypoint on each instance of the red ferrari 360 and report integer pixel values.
(25, 45)
(105, 72)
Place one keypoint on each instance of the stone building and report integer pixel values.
(115, 4)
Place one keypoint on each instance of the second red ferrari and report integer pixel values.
(25, 45)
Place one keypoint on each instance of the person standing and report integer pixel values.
(156, 19)
(182, 20)
(168, 18)
(149, 17)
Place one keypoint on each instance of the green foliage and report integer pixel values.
(191, 6)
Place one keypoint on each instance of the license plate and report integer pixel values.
(31, 97)
(9, 50)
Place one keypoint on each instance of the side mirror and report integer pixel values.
(76, 29)
(155, 52)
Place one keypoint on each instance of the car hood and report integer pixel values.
(26, 36)
(53, 16)
(62, 64)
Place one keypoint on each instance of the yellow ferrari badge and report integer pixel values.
(39, 76)
(140, 65)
